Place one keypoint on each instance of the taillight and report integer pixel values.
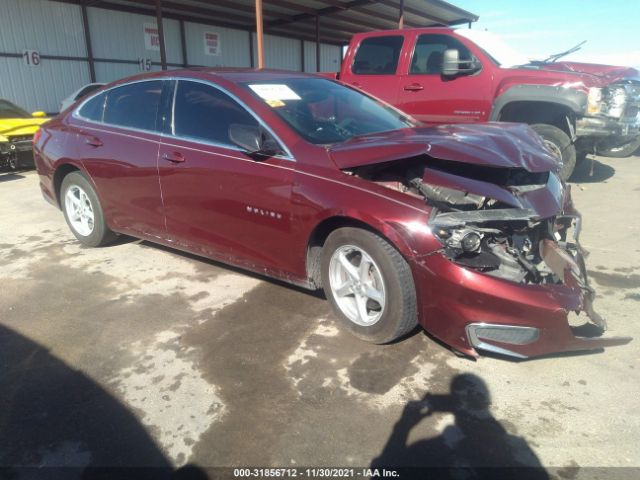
(36, 136)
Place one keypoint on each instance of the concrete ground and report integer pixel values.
(138, 355)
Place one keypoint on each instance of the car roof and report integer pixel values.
(235, 75)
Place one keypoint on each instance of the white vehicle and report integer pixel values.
(78, 94)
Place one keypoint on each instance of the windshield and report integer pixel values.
(494, 46)
(9, 110)
(325, 112)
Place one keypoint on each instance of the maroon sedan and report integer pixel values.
(465, 230)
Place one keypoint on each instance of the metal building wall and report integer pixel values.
(330, 57)
(234, 46)
(51, 28)
(280, 52)
(120, 36)
(118, 43)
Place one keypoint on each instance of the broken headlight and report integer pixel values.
(507, 253)
(463, 240)
(609, 101)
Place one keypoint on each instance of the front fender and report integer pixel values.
(575, 100)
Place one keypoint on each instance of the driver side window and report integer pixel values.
(429, 51)
(202, 112)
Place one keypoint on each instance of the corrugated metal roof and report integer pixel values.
(339, 19)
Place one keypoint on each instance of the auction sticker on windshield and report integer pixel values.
(274, 92)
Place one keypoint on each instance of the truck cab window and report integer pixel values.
(378, 56)
(427, 56)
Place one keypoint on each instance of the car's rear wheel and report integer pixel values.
(83, 212)
(560, 145)
(369, 285)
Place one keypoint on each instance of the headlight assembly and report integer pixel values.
(594, 100)
(610, 101)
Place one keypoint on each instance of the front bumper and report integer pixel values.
(471, 311)
(605, 126)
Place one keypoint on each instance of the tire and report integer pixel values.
(88, 226)
(559, 144)
(621, 151)
(388, 274)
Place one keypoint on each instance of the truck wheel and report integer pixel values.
(560, 145)
(83, 212)
(369, 285)
(623, 150)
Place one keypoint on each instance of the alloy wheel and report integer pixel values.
(357, 285)
(79, 210)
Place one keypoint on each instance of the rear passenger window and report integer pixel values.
(203, 112)
(93, 108)
(134, 105)
(377, 56)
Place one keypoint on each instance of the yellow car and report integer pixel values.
(16, 134)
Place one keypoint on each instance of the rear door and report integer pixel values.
(433, 99)
(219, 201)
(375, 64)
(118, 141)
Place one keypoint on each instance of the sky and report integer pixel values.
(542, 27)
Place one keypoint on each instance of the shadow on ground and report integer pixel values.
(475, 446)
(592, 171)
(8, 176)
(55, 422)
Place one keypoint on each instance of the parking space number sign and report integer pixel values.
(31, 58)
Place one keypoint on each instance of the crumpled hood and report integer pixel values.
(610, 73)
(506, 145)
(20, 126)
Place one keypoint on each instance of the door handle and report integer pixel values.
(174, 157)
(93, 141)
(413, 87)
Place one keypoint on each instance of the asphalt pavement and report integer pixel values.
(138, 355)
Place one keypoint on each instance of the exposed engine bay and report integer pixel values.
(505, 222)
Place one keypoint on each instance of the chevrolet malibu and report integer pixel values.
(465, 230)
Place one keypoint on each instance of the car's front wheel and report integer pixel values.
(369, 285)
(83, 212)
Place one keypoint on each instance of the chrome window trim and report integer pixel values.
(75, 114)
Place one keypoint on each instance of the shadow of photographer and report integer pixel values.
(475, 446)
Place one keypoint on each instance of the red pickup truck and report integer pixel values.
(441, 75)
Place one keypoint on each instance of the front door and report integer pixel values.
(219, 201)
(434, 99)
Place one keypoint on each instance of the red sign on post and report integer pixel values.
(211, 43)
(151, 36)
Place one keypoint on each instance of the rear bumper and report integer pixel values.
(471, 311)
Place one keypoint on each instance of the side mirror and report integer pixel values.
(450, 62)
(251, 138)
(452, 65)
(39, 114)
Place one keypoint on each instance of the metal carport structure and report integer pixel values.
(50, 48)
(327, 21)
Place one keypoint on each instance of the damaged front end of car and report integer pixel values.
(510, 268)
